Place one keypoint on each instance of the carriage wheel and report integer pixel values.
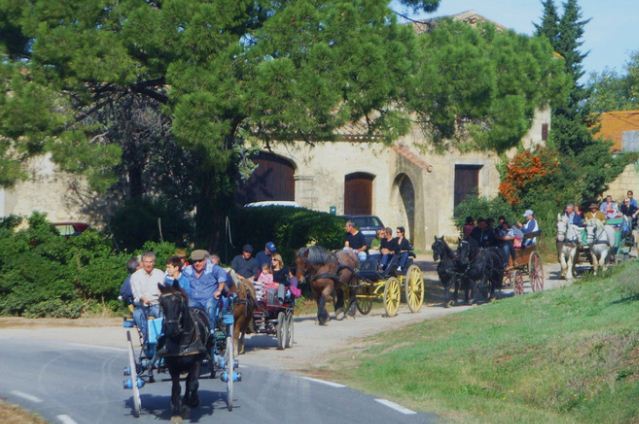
(137, 402)
(229, 366)
(519, 283)
(392, 296)
(414, 288)
(289, 329)
(280, 330)
(364, 305)
(536, 271)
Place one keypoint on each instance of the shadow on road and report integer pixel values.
(160, 406)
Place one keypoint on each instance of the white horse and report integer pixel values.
(568, 239)
(601, 239)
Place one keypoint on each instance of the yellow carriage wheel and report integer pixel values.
(392, 296)
(414, 288)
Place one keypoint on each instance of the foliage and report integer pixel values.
(43, 273)
(138, 78)
(482, 82)
(566, 355)
(136, 222)
(612, 91)
(483, 207)
(289, 228)
(527, 169)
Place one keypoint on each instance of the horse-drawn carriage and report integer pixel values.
(527, 262)
(275, 317)
(598, 244)
(201, 345)
(373, 283)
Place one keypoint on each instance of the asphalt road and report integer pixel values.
(71, 383)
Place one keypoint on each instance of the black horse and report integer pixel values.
(483, 268)
(448, 269)
(184, 345)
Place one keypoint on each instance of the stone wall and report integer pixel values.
(45, 190)
(627, 180)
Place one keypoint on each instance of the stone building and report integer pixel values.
(407, 183)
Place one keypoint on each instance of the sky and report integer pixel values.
(610, 36)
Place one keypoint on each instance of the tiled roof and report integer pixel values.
(412, 157)
(613, 125)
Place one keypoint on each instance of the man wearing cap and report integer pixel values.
(146, 293)
(264, 257)
(206, 287)
(530, 226)
(245, 264)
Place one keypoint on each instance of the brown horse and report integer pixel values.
(243, 308)
(328, 273)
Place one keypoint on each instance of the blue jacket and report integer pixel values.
(575, 219)
(203, 288)
(184, 282)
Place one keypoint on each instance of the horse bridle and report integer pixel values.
(180, 317)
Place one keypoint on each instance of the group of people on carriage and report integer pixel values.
(623, 214)
(385, 250)
(206, 284)
(504, 236)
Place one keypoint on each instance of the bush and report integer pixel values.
(483, 207)
(289, 228)
(45, 274)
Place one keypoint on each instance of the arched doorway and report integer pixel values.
(358, 193)
(404, 201)
(274, 179)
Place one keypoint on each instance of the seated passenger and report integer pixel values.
(483, 234)
(174, 272)
(355, 240)
(530, 226)
(387, 247)
(146, 294)
(506, 238)
(402, 248)
(207, 286)
(263, 282)
(595, 213)
(281, 278)
(609, 208)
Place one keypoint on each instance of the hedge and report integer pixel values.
(289, 228)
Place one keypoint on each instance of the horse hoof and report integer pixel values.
(176, 419)
(449, 304)
(340, 314)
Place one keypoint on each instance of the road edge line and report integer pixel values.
(26, 396)
(65, 419)
(327, 383)
(397, 407)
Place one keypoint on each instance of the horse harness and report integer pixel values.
(190, 347)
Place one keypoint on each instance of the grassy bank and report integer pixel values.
(568, 355)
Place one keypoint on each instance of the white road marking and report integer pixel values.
(88, 346)
(328, 383)
(65, 419)
(26, 396)
(396, 407)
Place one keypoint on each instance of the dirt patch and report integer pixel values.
(19, 322)
(13, 414)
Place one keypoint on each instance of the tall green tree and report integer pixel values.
(549, 25)
(478, 87)
(222, 73)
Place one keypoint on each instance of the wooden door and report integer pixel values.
(358, 194)
(466, 182)
(274, 179)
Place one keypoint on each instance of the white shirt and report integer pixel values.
(145, 284)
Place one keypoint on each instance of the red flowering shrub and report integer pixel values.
(525, 170)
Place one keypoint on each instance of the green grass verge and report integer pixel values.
(567, 355)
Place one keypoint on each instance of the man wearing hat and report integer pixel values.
(206, 286)
(245, 264)
(264, 257)
(595, 213)
(530, 226)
